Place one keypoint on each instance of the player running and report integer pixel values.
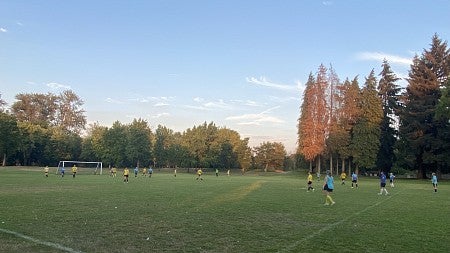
(343, 177)
(391, 179)
(74, 170)
(310, 181)
(383, 184)
(126, 174)
(328, 188)
(46, 169)
(434, 181)
(354, 179)
(199, 174)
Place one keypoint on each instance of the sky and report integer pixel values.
(239, 64)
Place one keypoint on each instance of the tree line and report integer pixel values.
(380, 126)
(42, 129)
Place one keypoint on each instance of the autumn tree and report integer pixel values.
(313, 121)
(419, 128)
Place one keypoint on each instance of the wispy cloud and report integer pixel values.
(3, 30)
(161, 104)
(263, 81)
(250, 103)
(159, 115)
(256, 118)
(380, 56)
(31, 83)
(57, 86)
(19, 23)
(327, 3)
(204, 104)
(113, 101)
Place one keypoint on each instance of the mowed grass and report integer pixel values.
(251, 213)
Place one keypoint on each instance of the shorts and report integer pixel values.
(309, 182)
(383, 184)
(354, 181)
(325, 188)
(434, 184)
(390, 180)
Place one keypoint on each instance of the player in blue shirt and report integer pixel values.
(328, 188)
(434, 181)
(136, 171)
(391, 179)
(354, 179)
(150, 171)
(62, 170)
(383, 184)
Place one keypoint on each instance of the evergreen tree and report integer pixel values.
(419, 129)
(389, 93)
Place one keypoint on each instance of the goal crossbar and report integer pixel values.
(99, 165)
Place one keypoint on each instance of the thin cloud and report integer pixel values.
(250, 103)
(379, 56)
(159, 115)
(57, 86)
(200, 108)
(256, 118)
(113, 101)
(3, 30)
(327, 3)
(210, 105)
(263, 81)
(161, 104)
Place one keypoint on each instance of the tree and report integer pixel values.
(70, 115)
(366, 132)
(419, 128)
(139, 142)
(48, 109)
(314, 119)
(389, 93)
(270, 155)
(9, 136)
(2, 104)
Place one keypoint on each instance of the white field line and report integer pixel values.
(49, 244)
(332, 225)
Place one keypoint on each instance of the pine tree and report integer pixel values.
(389, 93)
(366, 132)
(419, 129)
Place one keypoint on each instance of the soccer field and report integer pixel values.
(251, 213)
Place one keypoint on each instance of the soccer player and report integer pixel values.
(391, 179)
(383, 184)
(144, 172)
(63, 170)
(343, 177)
(217, 172)
(434, 181)
(114, 171)
(136, 171)
(228, 172)
(150, 172)
(354, 179)
(310, 181)
(46, 171)
(126, 173)
(175, 172)
(74, 170)
(199, 174)
(328, 188)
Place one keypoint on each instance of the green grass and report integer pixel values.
(251, 213)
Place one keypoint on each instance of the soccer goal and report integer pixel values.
(95, 168)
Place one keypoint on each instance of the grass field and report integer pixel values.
(251, 213)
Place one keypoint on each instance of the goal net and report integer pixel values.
(95, 168)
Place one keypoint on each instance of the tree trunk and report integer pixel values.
(343, 165)
(4, 160)
(331, 164)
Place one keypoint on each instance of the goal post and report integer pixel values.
(98, 166)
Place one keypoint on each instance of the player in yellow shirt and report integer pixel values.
(199, 174)
(74, 170)
(46, 169)
(144, 172)
(310, 181)
(343, 177)
(126, 173)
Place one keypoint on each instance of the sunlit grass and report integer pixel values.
(251, 213)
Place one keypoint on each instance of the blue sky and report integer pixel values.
(240, 64)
